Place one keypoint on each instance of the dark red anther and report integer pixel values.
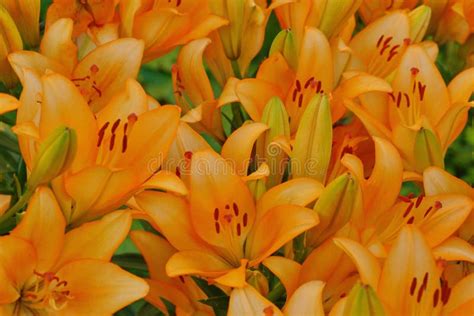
(428, 211)
(425, 280)
(421, 89)
(298, 85)
(318, 86)
(308, 82)
(300, 101)
(239, 230)
(393, 52)
(407, 41)
(112, 142)
(216, 214)
(342, 295)
(414, 71)
(399, 99)
(435, 298)
(404, 199)
(407, 99)
(114, 127)
(419, 199)
(408, 210)
(236, 209)
(390, 94)
(63, 283)
(101, 133)
(181, 279)
(227, 206)
(413, 286)
(178, 172)
(420, 294)
(245, 219)
(124, 143)
(218, 227)
(438, 205)
(379, 41)
(295, 93)
(411, 220)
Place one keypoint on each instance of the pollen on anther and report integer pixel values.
(414, 71)
(239, 230)
(413, 287)
(216, 214)
(245, 219)
(218, 227)
(94, 69)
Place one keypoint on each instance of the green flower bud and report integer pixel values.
(428, 150)
(313, 143)
(55, 155)
(419, 21)
(284, 43)
(363, 300)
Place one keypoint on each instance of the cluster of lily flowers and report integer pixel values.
(274, 191)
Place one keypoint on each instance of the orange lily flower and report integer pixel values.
(9, 42)
(111, 144)
(181, 291)
(329, 16)
(423, 116)
(193, 90)
(84, 13)
(314, 75)
(410, 280)
(371, 10)
(437, 181)
(100, 75)
(44, 270)
(26, 15)
(163, 25)
(452, 20)
(219, 234)
(306, 300)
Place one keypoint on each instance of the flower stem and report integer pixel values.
(17, 206)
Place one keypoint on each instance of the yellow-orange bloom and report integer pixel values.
(10, 41)
(44, 270)
(118, 148)
(219, 233)
(163, 24)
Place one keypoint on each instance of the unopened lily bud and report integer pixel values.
(231, 34)
(419, 21)
(26, 15)
(276, 118)
(313, 142)
(336, 13)
(55, 155)
(363, 300)
(256, 279)
(285, 44)
(428, 150)
(257, 188)
(10, 41)
(335, 207)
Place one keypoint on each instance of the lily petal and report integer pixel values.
(8, 103)
(166, 181)
(288, 221)
(197, 262)
(286, 270)
(43, 225)
(454, 249)
(307, 300)
(461, 301)
(109, 290)
(247, 301)
(96, 240)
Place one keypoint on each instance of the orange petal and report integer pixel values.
(43, 225)
(197, 262)
(96, 240)
(156, 251)
(462, 86)
(109, 290)
(17, 263)
(22, 60)
(57, 44)
(410, 277)
(172, 293)
(287, 222)
(461, 300)
(306, 300)
(234, 278)
(166, 181)
(367, 265)
(301, 191)
(171, 214)
(115, 62)
(454, 249)
(247, 301)
(287, 270)
(439, 181)
(452, 124)
(64, 105)
(8, 103)
(238, 146)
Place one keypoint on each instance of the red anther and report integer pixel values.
(94, 69)
(188, 155)
(245, 219)
(132, 118)
(216, 214)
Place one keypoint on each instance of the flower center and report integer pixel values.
(88, 85)
(47, 291)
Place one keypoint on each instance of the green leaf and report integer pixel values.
(217, 299)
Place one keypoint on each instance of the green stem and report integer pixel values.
(237, 118)
(277, 291)
(25, 197)
(236, 69)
